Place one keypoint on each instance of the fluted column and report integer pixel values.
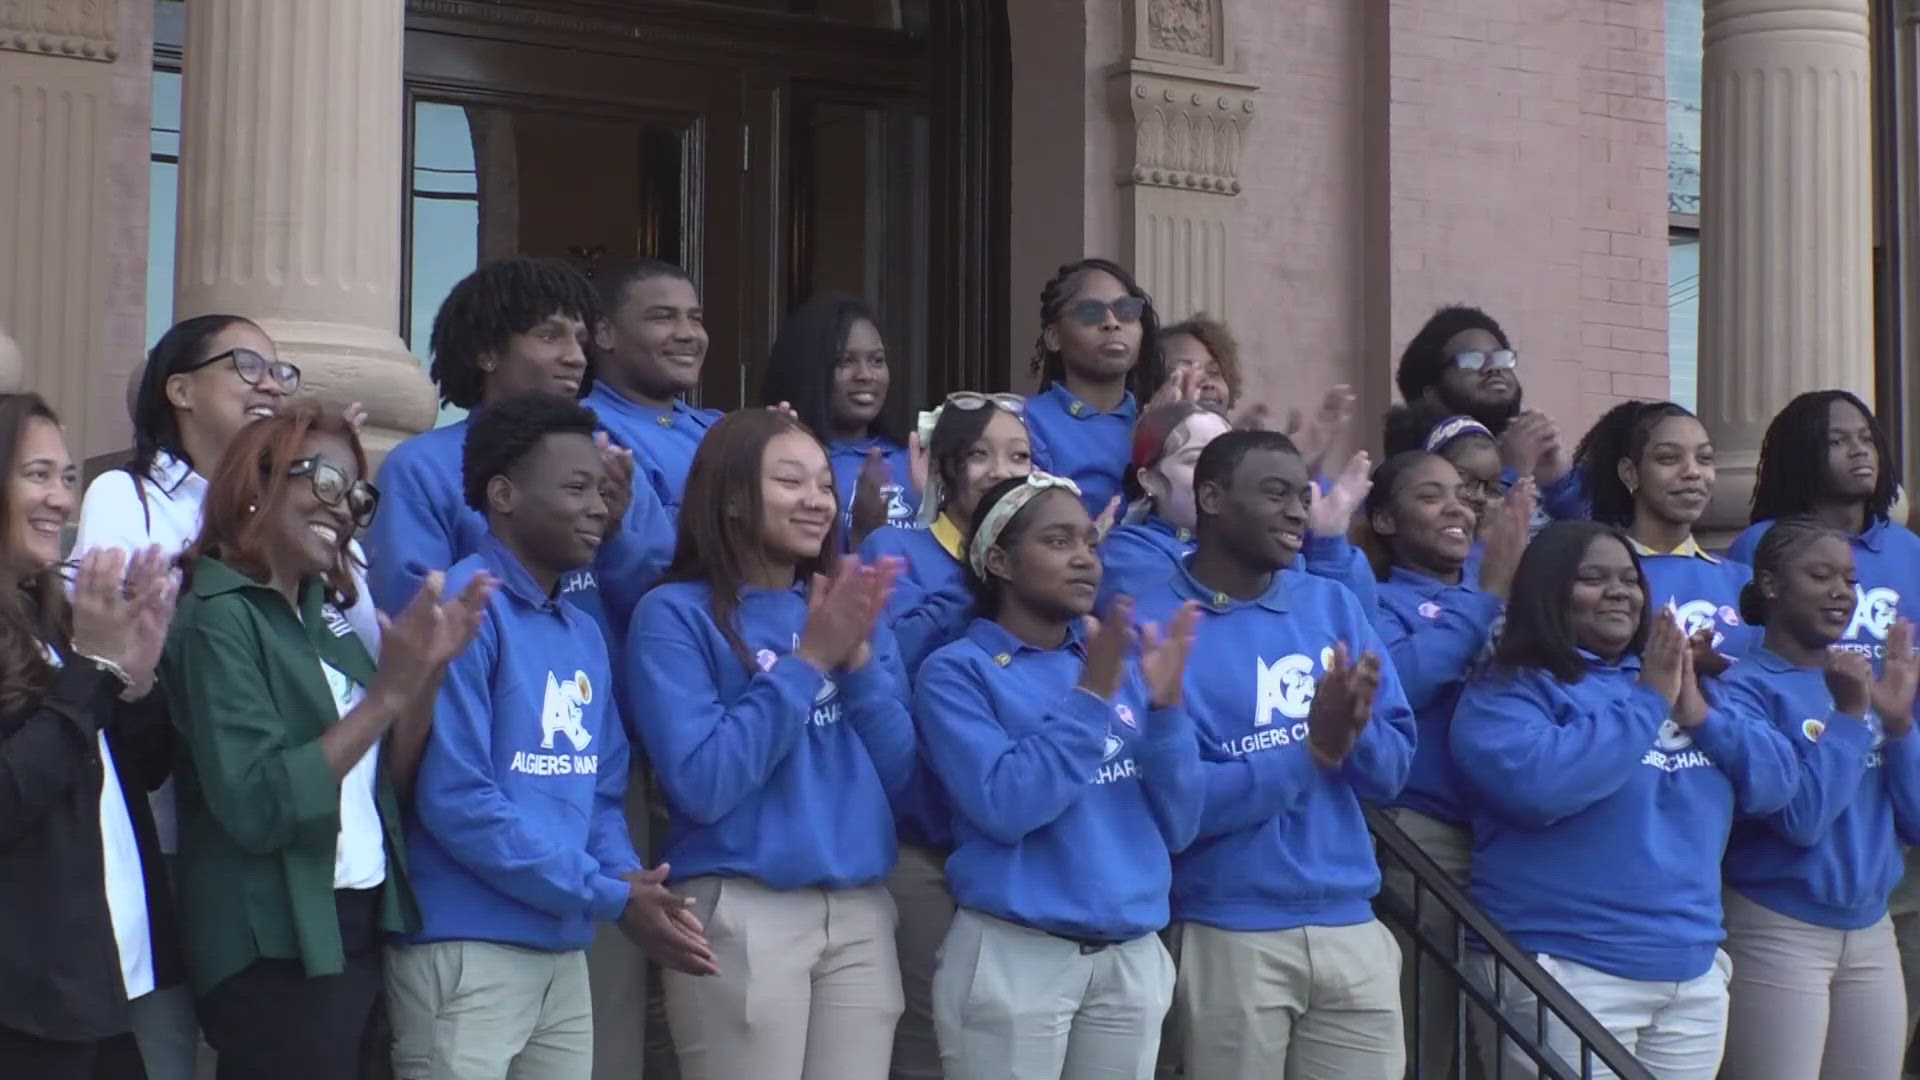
(290, 192)
(1786, 220)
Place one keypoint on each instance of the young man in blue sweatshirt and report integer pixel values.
(518, 823)
(649, 346)
(1281, 959)
(509, 327)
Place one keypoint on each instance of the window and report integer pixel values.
(1685, 53)
(163, 201)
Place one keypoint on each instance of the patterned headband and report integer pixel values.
(987, 533)
(1453, 427)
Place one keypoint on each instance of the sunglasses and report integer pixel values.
(255, 369)
(1476, 359)
(971, 400)
(331, 486)
(1127, 309)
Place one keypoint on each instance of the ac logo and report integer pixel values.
(561, 712)
(1873, 612)
(1286, 687)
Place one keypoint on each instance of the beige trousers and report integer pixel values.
(919, 887)
(1307, 1003)
(809, 984)
(1811, 1003)
(474, 1010)
(1013, 1003)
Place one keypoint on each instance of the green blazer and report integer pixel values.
(259, 809)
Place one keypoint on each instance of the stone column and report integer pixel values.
(1185, 115)
(290, 187)
(1786, 220)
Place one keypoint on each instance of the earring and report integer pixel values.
(251, 508)
(486, 365)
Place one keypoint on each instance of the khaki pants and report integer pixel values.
(1810, 1002)
(1323, 1000)
(617, 971)
(1439, 1006)
(809, 984)
(1905, 909)
(1013, 1003)
(919, 887)
(474, 1010)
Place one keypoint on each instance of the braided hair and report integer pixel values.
(1784, 539)
(1792, 474)
(1149, 368)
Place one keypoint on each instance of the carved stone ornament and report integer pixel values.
(1187, 132)
(1181, 26)
(81, 29)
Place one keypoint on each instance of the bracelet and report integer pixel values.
(111, 668)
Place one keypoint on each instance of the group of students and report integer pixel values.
(1003, 750)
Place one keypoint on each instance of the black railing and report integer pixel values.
(1476, 996)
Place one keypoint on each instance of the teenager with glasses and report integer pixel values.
(1098, 358)
(830, 366)
(204, 380)
(298, 746)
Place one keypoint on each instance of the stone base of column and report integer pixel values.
(342, 364)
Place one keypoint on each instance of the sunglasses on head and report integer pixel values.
(1476, 359)
(1127, 309)
(254, 369)
(970, 400)
(331, 486)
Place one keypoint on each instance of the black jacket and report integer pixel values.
(59, 965)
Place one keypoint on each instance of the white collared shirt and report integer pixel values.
(360, 854)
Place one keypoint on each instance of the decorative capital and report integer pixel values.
(1187, 130)
(81, 29)
(1182, 31)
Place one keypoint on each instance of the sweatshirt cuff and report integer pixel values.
(1850, 730)
(1321, 550)
(797, 680)
(1089, 712)
(609, 897)
(868, 680)
(1169, 728)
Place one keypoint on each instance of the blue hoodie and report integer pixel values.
(1282, 841)
(1435, 633)
(1073, 439)
(933, 601)
(517, 831)
(1887, 560)
(1066, 804)
(761, 776)
(425, 524)
(1147, 555)
(903, 506)
(1599, 824)
(1831, 856)
(663, 441)
(1704, 590)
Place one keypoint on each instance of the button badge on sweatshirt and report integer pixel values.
(1125, 713)
(1429, 610)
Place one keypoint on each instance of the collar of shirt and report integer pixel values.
(604, 394)
(1166, 528)
(514, 577)
(1629, 662)
(1876, 535)
(945, 531)
(175, 479)
(1427, 584)
(1274, 599)
(1689, 549)
(332, 638)
(996, 642)
(1080, 410)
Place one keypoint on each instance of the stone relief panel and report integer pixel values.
(82, 29)
(1181, 26)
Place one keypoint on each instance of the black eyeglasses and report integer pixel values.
(254, 369)
(1127, 309)
(331, 486)
(1475, 359)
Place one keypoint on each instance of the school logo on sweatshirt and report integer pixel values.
(1874, 611)
(561, 713)
(578, 580)
(336, 623)
(1673, 750)
(1285, 687)
(1697, 615)
(1114, 768)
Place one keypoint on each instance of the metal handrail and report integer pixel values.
(1598, 1047)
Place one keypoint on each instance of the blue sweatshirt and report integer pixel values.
(1599, 824)
(1282, 841)
(1147, 555)
(425, 524)
(771, 770)
(1831, 856)
(663, 441)
(903, 506)
(1563, 500)
(1073, 439)
(1434, 633)
(1066, 804)
(517, 831)
(1887, 559)
(1704, 590)
(932, 602)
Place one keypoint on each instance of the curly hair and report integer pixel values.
(504, 433)
(1621, 433)
(1425, 359)
(491, 305)
(1213, 336)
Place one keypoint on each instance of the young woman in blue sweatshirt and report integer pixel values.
(1603, 789)
(1098, 358)
(1648, 470)
(771, 705)
(1073, 772)
(510, 327)
(1824, 455)
(830, 366)
(1282, 965)
(1817, 987)
(973, 442)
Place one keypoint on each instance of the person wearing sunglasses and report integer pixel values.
(204, 380)
(1462, 362)
(1098, 357)
(297, 747)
